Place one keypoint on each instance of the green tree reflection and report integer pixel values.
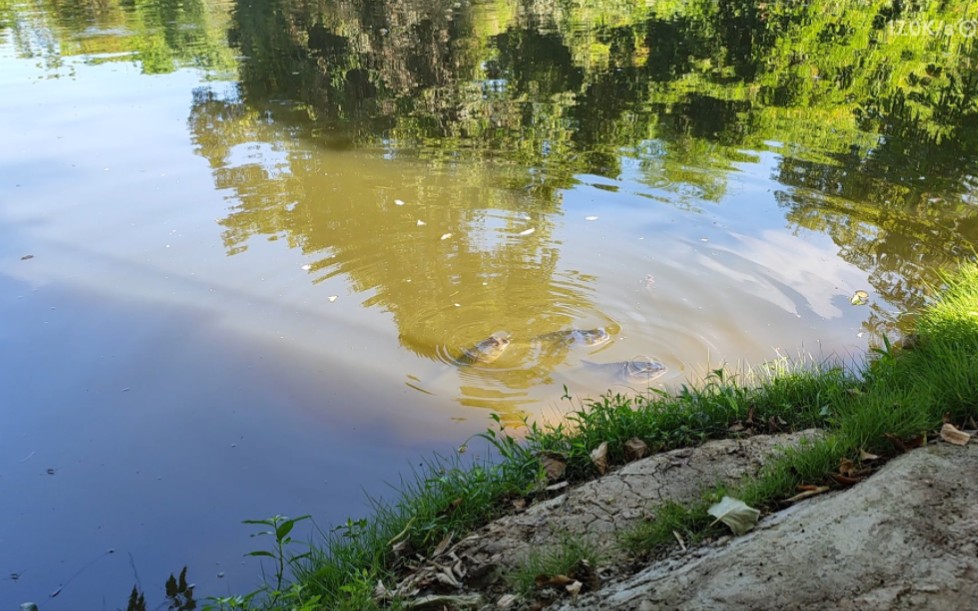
(160, 35)
(869, 106)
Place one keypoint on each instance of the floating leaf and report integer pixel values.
(859, 298)
(735, 513)
(951, 434)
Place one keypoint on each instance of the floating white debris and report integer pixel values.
(527, 231)
(421, 223)
(333, 298)
(859, 298)
(306, 267)
(445, 236)
(457, 305)
(590, 218)
(398, 202)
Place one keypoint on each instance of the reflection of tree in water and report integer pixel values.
(546, 93)
(161, 35)
(340, 207)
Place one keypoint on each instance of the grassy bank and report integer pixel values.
(885, 403)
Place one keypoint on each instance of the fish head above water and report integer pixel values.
(590, 337)
(488, 350)
(570, 337)
(643, 369)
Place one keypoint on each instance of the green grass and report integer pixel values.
(564, 559)
(901, 393)
(904, 394)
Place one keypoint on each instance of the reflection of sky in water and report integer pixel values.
(787, 262)
(274, 161)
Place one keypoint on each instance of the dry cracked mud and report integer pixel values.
(907, 537)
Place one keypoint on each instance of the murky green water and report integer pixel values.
(244, 246)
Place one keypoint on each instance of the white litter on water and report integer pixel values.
(398, 202)
(306, 267)
(445, 236)
(333, 298)
(590, 218)
(527, 231)
(421, 223)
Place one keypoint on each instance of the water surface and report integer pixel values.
(244, 245)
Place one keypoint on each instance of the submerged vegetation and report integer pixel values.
(890, 403)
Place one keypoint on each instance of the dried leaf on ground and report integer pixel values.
(554, 466)
(952, 434)
(506, 601)
(679, 539)
(814, 491)
(381, 592)
(635, 449)
(599, 456)
(844, 480)
(442, 601)
(736, 514)
(847, 467)
(865, 456)
(442, 545)
(543, 581)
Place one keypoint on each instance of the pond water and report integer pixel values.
(244, 247)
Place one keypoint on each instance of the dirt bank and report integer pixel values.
(905, 537)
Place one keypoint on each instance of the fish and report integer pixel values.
(486, 351)
(639, 369)
(584, 337)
